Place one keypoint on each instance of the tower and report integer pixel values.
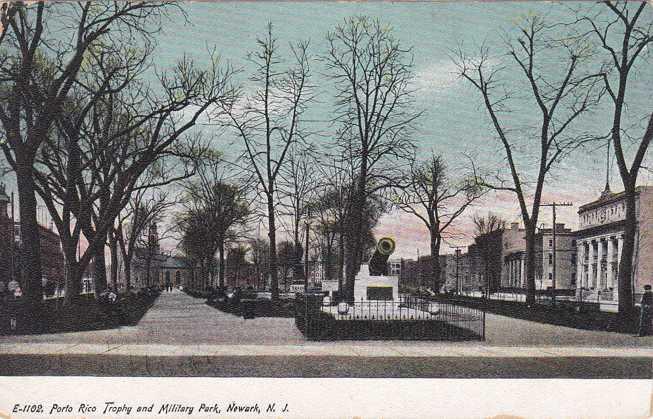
(4, 202)
(153, 238)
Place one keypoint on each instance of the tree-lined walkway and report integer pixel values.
(178, 319)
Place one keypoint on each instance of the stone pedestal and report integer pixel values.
(365, 280)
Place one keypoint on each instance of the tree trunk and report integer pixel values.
(625, 284)
(435, 261)
(353, 254)
(272, 235)
(73, 284)
(328, 265)
(148, 266)
(341, 260)
(530, 263)
(113, 248)
(100, 272)
(128, 275)
(30, 249)
(221, 267)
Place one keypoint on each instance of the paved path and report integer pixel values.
(178, 319)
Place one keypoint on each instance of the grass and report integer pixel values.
(86, 314)
(562, 314)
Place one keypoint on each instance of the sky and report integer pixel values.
(454, 121)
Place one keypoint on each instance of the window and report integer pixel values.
(550, 258)
(573, 243)
(573, 258)
(550, 243)
(573, 278)
(550, 276)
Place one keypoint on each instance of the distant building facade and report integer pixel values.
(52, 260)
(564, 260)
(152, 267)
(600, 240)
(513, 256)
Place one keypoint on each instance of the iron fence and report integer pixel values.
(410, 318)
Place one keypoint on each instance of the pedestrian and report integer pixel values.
(12, 286)
(645, 312)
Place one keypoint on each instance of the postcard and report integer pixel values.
(325, 209)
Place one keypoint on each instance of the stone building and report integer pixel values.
(513, 257)
(457, 273)
(414, 274)
(600, 240)
(152, 267)
(565, 258)
(52, 260)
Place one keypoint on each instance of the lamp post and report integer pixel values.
(306, 267)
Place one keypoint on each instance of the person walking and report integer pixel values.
(645, 312)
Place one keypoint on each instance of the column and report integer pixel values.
(620, 243)
(610, 261)
(580, 256)
(590, 260)
(522, 275)
(599, 243)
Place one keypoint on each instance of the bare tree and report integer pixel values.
(268, 122)
(624, 32)
(372, 73)
(296, 189)
(259, 254)
(437, 201)
(224, 207)
(32, 101)
(488, 242)
(99, 149)
(145, 208)
(560, 98)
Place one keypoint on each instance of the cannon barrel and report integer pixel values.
(379, 260)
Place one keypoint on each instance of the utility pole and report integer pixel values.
(553, 206)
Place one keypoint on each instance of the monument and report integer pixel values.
(372, 282)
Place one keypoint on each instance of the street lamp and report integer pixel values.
(306, 267)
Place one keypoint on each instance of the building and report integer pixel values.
(600, 240)
(486, 261)
(457, 272)
(563, 258)
(415, 274)
(513, 256)
(52, 260)
(152, 267)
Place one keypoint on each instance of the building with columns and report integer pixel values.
(513, 257)
(600, 239)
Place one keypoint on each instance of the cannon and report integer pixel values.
(379, 260)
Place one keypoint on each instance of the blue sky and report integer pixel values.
(454, 121)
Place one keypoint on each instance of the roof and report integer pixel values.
(610, 198)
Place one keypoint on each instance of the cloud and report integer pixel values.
(436, 77)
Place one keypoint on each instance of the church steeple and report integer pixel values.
(154, 238)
